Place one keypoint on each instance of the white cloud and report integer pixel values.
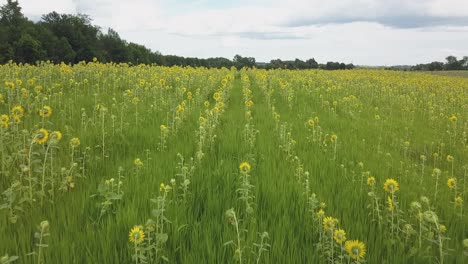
(359, 31)
(36, 8)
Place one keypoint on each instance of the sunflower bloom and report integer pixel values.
(371, 181)
(442, 228)
(17, 112)
(333, 138)
(339, 236)
(138, 163)
(320, 213)
(244, 167)
(391, 186)
(75, 142)
(136, 235)
(453, 118)
(4, 119)
(56, 136)
(46, 111)
(390, 204)
(452, 183)
(355, 249)
(249, 103)
(329, 223)
(458, 201)
(450, 158)
(41, 136)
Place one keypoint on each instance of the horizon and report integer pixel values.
(379, 33)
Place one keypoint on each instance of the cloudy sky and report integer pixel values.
(365, 32)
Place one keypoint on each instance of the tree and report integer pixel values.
(452, 63)
(79, 32)
(29, 49)
(312, 64)
(241, 62)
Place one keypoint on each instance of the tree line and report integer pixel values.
(451, 64)
(73, 38)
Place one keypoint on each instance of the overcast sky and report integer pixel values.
(365, 32)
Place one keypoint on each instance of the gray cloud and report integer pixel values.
(253, 35)
(397, 21)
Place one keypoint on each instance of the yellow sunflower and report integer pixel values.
(41, 136)
(311, 122)
(390, 203)
(46, 111)
(56, 136)
(17, 112)
(453, 118)
(371, 181)
(320, 213)
(244, 167)
(333, 138)
(249, 103)
(450, 158)
(136, 235)
(355, 249)
(391, 186)
(329, 223)
(138, 163)
(75, 142)
(458, 201)
(4, 119)
(339, 236)
(452, 183)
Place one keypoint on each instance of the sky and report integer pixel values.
(363, 32)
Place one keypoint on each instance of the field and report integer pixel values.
(106, 163)
(450, 73)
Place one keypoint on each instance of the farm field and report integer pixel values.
(107, 163)
(450, 73)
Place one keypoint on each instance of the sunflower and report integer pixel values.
(180, 109)
(217, 96)
(453, 118)
(452, 183)
(138, 163)
(46, 111)
(41, 136)
(339, 236)
(202, 120)
(4, 119)
(75, 142)
(136, 235)
(355, 249)
(390, 204)
(371, 181)
(56, 136)
(244, 167)
(458, 201)
(333, 138)
(320, 213)
(17, 112)
(329, 223)
(311, 122)
(450, 158)
(391, 186)
(442, 228)
(163, 129)
(249, 103)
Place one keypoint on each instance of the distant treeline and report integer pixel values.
(73, 38)
(451, 64)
